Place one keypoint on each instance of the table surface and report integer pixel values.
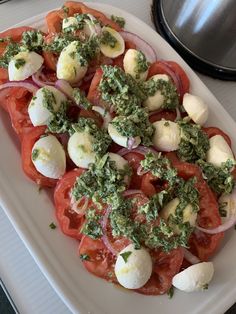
(24, 281)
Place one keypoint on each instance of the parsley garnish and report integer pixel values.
(80, 99)
(20, 62)
(52, 225)
(126, 255)
(84, 257)
(35, 154)
(108, 39)
(170, 292)
(118, 20)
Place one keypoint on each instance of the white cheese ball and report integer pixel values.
(228, 204)
(195, 108)
(156, 101)
(23, 65)
(219, 151)
(133, 271)
(166, 136)
(38, 112)
(48, 157)
(188, 214)
(80, 149)
(105, 115)
(194, 278)
(69, 22)
(69, 66)
(121, 163)
(130, 63)
(120, 139)
(119, 47)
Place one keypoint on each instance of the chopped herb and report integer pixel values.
(170, 292)
(222, 211)
(142, 64)
(84, 257)
(11, 50)
(65, 9)
(80, 99)
(166, 123)
(52, 225)
(92, 226)
(101, 138)
(194, 142)
(35, 154)
(219, 179)
(126, 255)
(49, 99)
(32, 41)
(118, 20)
(20, 62)
(108, 39)
(5, 39)
(205, 287)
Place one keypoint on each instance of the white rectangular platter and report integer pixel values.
(31, 213)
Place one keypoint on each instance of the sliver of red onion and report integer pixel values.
(142, 150)
(32, 88)
(131, 192)
(80, 210)
(105, 239)
(231, 221)
(141, 44)
(190, 257)
(41, 81)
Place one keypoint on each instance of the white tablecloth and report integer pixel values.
(28, 287)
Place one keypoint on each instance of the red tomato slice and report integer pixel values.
(201, 244)
(134, 160)
(93, 94)
(166, 266)
(163, 114)
(18, 110)
(212, 131)
(6, 93)
(3, 76)
(28, 142)
(101, 261)
(69, 221)
(147, 184)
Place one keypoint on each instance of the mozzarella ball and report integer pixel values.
(48, 157)
(80, 149)
(131, 62)
(105, 115)
(120, 139)
(194, 278)
(228, 204)
(69, 22)
(195, 108)
(219, 151)
(23, 65)
(133, 268)
(110, 50)
(166, 136)
(156, 101)
(188, 214)
(38, 110)
(121, 163)
(69, 65)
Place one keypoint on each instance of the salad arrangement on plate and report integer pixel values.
(144, 187)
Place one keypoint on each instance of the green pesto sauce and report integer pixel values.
(35, 154)
(219, 179)
(20, 62)
(141, 64)
(108, 39)
(118, 20)
(194, 142)
(101, 138)
(80, 99)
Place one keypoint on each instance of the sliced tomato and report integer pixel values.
(163, 114)
(100, 260)
(93, 115)
(5, 94)
(28, 142)
(3, 77)
(94, 94)
(50, 60)
(165, 267)
(212, 131)
(69, 221)
(201, 244)
(147, 184)
(18, 110)
(54, 21)
(134, 160)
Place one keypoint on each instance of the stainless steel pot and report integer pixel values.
(203, 32)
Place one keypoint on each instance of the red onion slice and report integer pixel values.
(141, 171)
(96, 25)
(104, 229)
(75, 205)
(141, 45)
(178, 114)
(40, 79)
(190, 257)
(131, 192)
(142, 150)
(225, 226)
(130, 143)
(65, 88)
(27, 85)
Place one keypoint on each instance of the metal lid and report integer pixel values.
(202, 31)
